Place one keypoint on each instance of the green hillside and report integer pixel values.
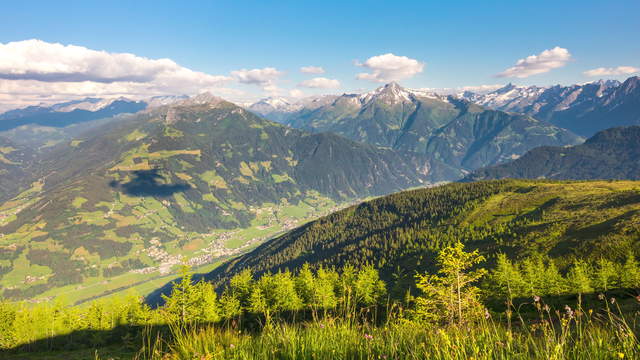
(198, 181)
(401, 233)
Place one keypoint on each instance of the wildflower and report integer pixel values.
(321, 326)
(368, 337)
(546, 308)
(536, 298)
(638, 298)
(601, 296)
(620, 355)
(486, 314)
(568, 311)
(231, 346)
(613, 300)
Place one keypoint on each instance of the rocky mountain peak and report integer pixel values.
(391, 93)
(205, 98)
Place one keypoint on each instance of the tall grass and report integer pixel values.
(566, 334)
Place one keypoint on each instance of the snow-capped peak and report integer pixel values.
(205, 98)
(392, 93)
(274, 104)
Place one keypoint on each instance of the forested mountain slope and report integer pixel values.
(610, 154)
(14, 159)
(400, 233)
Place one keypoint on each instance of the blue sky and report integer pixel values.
(465, 43)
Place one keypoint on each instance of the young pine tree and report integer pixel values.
(191, 302)
(452, 294)
(554, 284)
(630, 276)
(579, 279)
(240, 287)
(285, 297)
(369, 289)
(506, 279)
(605, 275)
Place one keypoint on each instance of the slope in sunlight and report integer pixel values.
(178, 181)
(401, 233)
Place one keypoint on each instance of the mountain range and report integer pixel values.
(97, 195)
(456, 132)
(610, 154)
(279, 109)
(176, 181)
(42, 126)
(584, 109)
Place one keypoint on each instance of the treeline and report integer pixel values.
(456, 293)
(246, 298)
(537, 276)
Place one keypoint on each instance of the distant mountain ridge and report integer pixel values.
(69, 113)
(43, 126)
(279, 109)
(537, 100)
(456, 132)
(583, 109)
(609, 154)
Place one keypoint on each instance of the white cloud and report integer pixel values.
(320, 83)
(296, 93)
(481, 88)
(53, 62)
(34, 71)
(312, 70)
(389, 67)
(620, 70)
(537, 64)
(266, 77)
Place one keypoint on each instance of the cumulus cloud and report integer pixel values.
(296, 93)
(390, 67)
(537, 64)
(320, 83)
(612, 71)
(52, 62)
(266, 77)
(312, 70)
(38, 71)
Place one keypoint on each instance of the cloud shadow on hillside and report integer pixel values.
(148, 183)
